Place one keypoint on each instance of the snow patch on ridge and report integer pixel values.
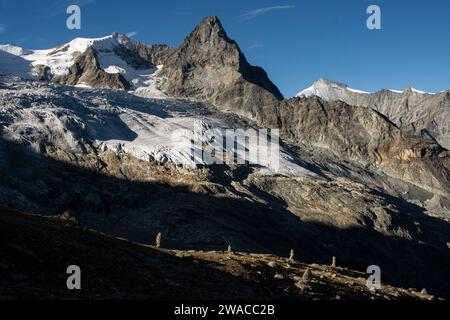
(330, 90)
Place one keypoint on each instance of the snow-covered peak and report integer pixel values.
(59, 59)
(101, 44)
(112, 57)
(328, 90)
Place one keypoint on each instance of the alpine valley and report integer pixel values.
(93, 137)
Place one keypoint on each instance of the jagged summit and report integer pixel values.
(211, 66)
(210, 22)
(209, 34)
(209, 29)
(213, 20)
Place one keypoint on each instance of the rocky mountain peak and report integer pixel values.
(209, 29)
(211, 67)
(210, 39)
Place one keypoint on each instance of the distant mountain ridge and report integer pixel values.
(414, 111)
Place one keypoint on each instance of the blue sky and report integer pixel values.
(296, 42)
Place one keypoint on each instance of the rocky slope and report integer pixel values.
(86, 70)
(416, 112)
(144, 272)
(365, 136)
(153, 53)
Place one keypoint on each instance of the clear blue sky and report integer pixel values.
(296, 43)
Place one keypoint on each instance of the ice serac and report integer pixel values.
(210, 66)
(413, 111)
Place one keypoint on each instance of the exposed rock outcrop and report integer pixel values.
(153, 53)
(43, 72)
(86, 70)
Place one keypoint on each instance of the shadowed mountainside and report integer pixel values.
(126, 197)
(36, 251)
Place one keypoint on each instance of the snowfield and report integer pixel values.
(150, 129)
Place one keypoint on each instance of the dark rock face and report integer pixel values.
(209, 66)
(86, 69)
(156, 53)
